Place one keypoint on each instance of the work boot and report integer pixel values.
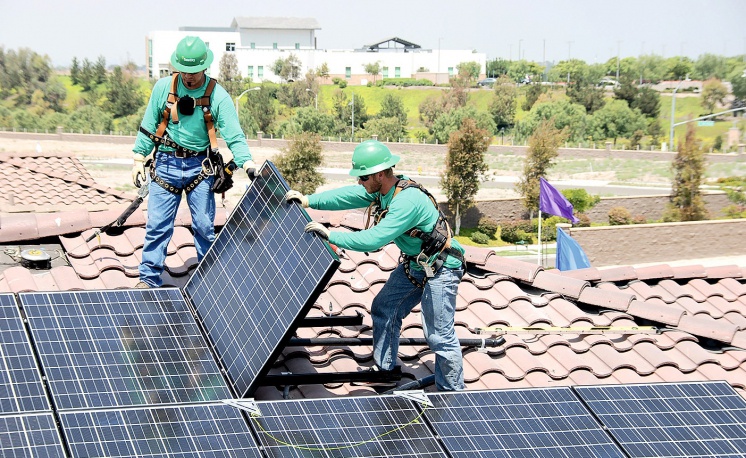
(142, 285)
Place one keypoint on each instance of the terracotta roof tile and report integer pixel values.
(736, 287)
(476, 255)
(569, 287)
(657, 313)
(685, 272)
(587, 274)
(616, 300)
(523, 271)
(654, 272)
(717, 272)
(678, 291)
(644, 291)
(707, 327)
(616, 274)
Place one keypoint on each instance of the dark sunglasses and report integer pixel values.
(364, 178)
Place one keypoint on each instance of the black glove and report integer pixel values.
(250, 170)
(223, 175)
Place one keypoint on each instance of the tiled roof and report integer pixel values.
(48, 195)
(700, 311)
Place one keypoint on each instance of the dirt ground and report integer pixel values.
(110, 164)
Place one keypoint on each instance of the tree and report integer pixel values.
(55, 94)
(99, 70)
(615, 120)
(342, 107)
(580, 199)
(562, 113)
(648, 101)
(627, 90)
(677, 68)
(392, 106)
(387, 129)
(710, 66)
(373, 69)
(75, 71)
(230, 77)
(469, 71)
(713, 94)
(22, 73)
(451, 121)
(323, 70)
(122, 95)
(261, 108)
(532, 95)
(287, 69)
(308, 119)
(543, 148)
(584, 92)
(688, 169)
(298, 163)
(498, 67)
(464, 166)
(738, 82)
(503, 105)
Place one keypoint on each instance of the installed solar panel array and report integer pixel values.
(261, 275)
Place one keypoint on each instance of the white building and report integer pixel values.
(258, 42)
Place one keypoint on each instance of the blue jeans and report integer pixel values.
(162, 207)
(397, 299)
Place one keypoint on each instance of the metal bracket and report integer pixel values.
(417, 396)
(247, 405)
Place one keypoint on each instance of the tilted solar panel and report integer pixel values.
(30, 435)
(201, 430)
(21, 389)
(548, 422)
(672, 419)
(261, 274)
(387, 426)
(122, 348)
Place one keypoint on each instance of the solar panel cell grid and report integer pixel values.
(21, 389)
(29, 436)
(207, 430)
(518, 423)
(261, 274)
(672, 420)
(352, 427)
(122, 348)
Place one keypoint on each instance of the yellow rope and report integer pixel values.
(323, 449)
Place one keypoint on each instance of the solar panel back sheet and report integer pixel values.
(261, 275)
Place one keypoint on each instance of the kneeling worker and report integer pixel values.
(430, 268)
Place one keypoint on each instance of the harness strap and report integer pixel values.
(204, 102)
(165, 141)
(209, 121)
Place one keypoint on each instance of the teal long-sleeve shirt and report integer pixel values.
(411, 208)
(191, 131)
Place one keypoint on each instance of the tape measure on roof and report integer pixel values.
(621, 330)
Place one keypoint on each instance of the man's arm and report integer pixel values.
(230, 129)
(152, 118)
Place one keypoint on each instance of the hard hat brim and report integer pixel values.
(376, 168)
(192, 69)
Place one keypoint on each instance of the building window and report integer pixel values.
(274, 45)
(230, 46)
(450, 71)
(348, 72)
(150, 47)
(297, 46)
(397, 72)
(260, 72)
(385, 72)
(253, 45)
(164, 72)
(251, 71)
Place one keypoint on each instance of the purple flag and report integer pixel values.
(553, 202)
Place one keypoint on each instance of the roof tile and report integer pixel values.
(616, 274)
(657, 313)
(717, 272)
(566, 286)
(691, 271)
(654, 272)
(616, 300)
(706, 326)
(587, 274)
(523, 271)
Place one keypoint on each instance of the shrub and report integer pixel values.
(619, 216)
(480, 238)
(549, 228)
(342, 84)
(585, 220)
(488, 226)
(336, 80)
(516, 231)
(639, 219)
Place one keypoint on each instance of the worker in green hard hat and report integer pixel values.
(431, 265)
(179, 128)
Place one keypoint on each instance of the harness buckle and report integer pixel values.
(207, 167)
(423, 260)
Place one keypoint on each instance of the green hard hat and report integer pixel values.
(191, 56)
(371, 156)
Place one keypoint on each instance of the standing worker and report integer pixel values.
(430, 268)
(180, 121)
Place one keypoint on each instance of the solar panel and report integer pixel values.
(121, 348)
(260, 275)
(672, 419)
(202, 430)
(30, 435)
(364, 426)
(21, 389)
(550, 422)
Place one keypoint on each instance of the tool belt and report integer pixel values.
(430, 269)
(178, 150)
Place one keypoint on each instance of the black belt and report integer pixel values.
(179, 151)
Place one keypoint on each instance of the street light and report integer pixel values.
(673, 109)
(243, 93)
(316, 95)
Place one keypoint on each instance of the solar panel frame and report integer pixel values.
(269, 273)
(672, 419)
(541, 422)
(121, 348)
(194, 430)
(347, 426)
(30, 435)
(21, 388)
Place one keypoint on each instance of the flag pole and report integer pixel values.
(538, 260)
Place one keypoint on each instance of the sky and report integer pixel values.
(552, 30)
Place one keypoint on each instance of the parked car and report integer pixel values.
(487, 82)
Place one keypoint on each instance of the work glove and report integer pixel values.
(318, 229)
(138, 169)
(250, 169)
(295, 196)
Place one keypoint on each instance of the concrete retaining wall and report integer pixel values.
(643, 243)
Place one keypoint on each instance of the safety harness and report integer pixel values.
(160, 137)
(438, 241)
